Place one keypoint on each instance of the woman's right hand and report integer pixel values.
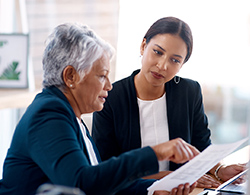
(176, 150)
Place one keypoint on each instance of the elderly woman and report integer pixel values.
(51, 143)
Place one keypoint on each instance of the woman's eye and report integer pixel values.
(175, 60)
(157, 52)
(102, 77)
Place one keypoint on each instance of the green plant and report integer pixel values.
(2, 43)
(10, 72)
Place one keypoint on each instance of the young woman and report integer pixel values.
(153, 105)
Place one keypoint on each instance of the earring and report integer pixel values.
(70, 85)
(177, 79)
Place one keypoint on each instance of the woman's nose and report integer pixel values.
(162, 65)
(108, 85)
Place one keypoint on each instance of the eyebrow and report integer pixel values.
(165, 51)
(105, 70)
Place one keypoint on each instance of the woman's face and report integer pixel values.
(91, 92)
(162, 58)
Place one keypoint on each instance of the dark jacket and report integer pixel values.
(48, 147)
(116, 129)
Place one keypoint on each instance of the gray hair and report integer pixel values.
(71, 44)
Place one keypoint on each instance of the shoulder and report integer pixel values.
(50, 103)
(184, 84)
(184, 89)
(189, 82)
(47, 114)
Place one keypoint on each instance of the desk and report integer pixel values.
(240, 156)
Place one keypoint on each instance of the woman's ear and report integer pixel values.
(143, 46)
(69, 76)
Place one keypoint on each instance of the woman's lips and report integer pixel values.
(157, 75)
(102, 98)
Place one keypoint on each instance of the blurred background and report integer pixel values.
(220, 60)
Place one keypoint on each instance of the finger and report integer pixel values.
(192, 187)
(239, 167)
(178, 156)
(206, 181)
(190, 150)
(180, 190)
(173, 191)
(210, 180)
(187, 152)
(183, 152)
(186, 189)
(194, 150)
(243, 164)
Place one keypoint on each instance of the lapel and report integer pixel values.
(58, 93)
(134, 140)
(92, 142)
(170, 108)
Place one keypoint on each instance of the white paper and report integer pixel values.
(197, 167)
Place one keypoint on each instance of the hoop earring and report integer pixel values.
(177, 79)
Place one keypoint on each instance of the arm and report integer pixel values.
(58, 153)
(224, 173)
(55, 147)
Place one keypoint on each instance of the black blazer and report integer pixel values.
(116, 129)
(48, 147)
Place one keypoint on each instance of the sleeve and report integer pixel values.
(201, 132)
(54, 147)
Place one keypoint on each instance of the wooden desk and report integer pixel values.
(239, 156)
(196, 191)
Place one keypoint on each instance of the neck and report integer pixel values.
(72, 101)
(146, 91)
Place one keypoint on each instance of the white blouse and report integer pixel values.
(88, 143)
(154, 124)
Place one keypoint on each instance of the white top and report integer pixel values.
(154, 124)
(88, 143)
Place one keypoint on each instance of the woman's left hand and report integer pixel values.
(227, 172)
(207, 181)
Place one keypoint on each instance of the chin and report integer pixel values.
(99, 108)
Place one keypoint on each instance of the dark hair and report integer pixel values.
(175, 26)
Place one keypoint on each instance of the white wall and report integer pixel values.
(221, 31)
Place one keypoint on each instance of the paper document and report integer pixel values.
(197, 167)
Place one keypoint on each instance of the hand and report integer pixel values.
(227, 172)
(180, 190)
(176, 150)
(206, 181)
